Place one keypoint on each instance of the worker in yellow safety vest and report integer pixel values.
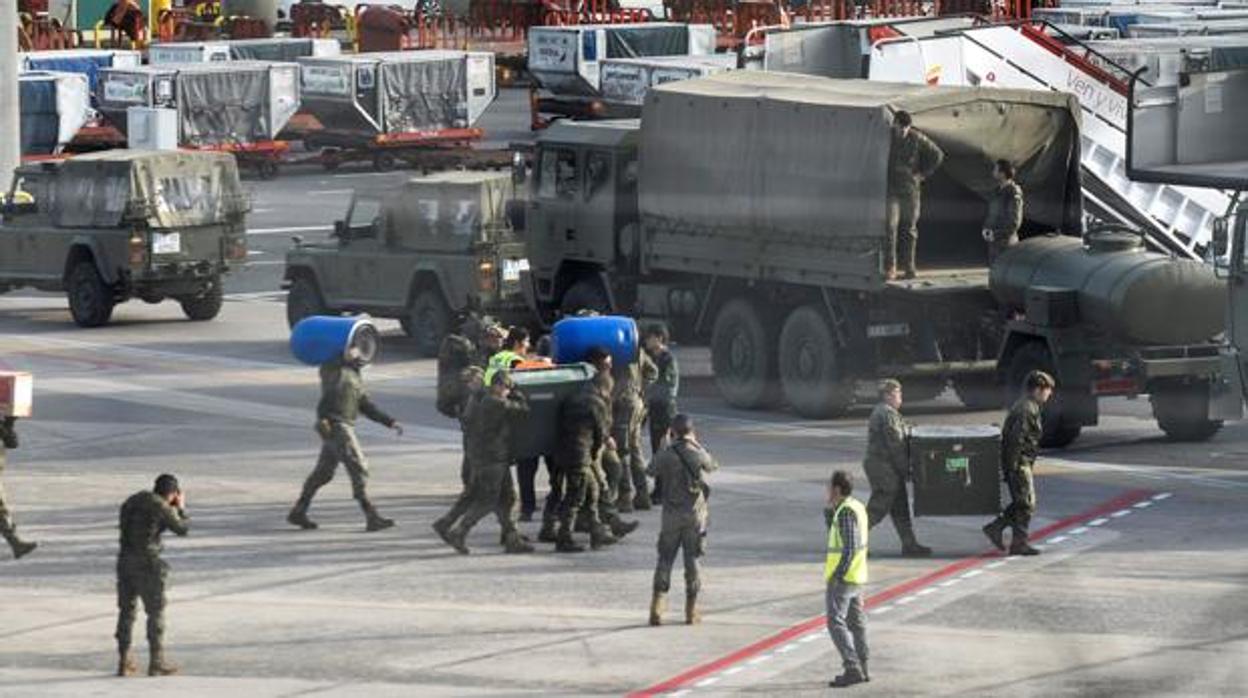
(515, 350)
(846, 573)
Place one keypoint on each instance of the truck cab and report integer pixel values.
(582, 215)
(435, 246)
(111, 226)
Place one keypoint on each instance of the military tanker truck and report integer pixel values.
(748, 211)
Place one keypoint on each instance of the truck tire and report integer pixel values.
(979, 392)
(586, 294)
(427, 320)
(810, 372)
(1182, 412)
(304, 299)
(206, 305)
(743, 356)
(90, 299)
(1058, 432)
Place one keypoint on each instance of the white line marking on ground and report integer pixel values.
(1120, 513)
(1079, 531)
(330, 192)
(707, 682)
(1143, 505)
(810, 638)
(1098, 522)
(787, 648)
(289, 229)
(948, 583)
(734, 670)
(994, 565)
(1162, 495)
(683, 692)
(883, 609)
(265, 263)
(905, 600)
(972, 573)
(925, 592)
(1057, 539)
(760, 659)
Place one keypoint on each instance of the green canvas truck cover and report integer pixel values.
(168, 189)
(784, 176)
(450, 208)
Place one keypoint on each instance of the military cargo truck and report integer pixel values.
(439, 244)
(108, 227)
(747, 210)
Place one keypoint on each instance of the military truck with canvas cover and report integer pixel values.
(108, 227)
(749, 210)
(440, 244)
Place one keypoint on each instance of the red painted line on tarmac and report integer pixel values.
(685, 679)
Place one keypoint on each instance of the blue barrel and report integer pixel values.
(319, 339)
(572, 338)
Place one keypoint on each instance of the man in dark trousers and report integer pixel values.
(887, 467)
(584, 432)
(8, 439)
(845, 573)
(343, 399)
(682, 468)
(912, 158)
(141, 574)
(1005, 211)
(1020, 444)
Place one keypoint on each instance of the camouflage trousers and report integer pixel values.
(1022, 506)
(889, 499)
(141, 577)
(685, 537)
(903, 231)
(7, 527)
(627, 434)
(610, 474)
(491, 489)
(581, 492)
(339, 446)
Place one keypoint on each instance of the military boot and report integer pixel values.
(621, 528)
(1020, 546)
(158, 666)
(910, 547)
(457, 538)
(547, 533)
(994, 530)
(692, 615)
(583, 524)
(374, 520)
(641, 502)
(565, 543)
(658, 604)
(514, 544)
(126, 666)
(624, 503)
(21, 548)
(298, 515)
(600, 537)
(443, 529)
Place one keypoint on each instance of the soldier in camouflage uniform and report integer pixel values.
(1005, 211)
(682, 467)
(462, 358)
(343, 399)
(490, 422)
(141, 574)
(662, 391)
(8, 439)
(887, 466)
(912, 158)
(1020, 444)
(628, 413)
(584, 431)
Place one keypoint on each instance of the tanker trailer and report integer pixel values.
(1107, 317)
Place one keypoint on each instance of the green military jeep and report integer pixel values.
(440, 244)
(111, 226)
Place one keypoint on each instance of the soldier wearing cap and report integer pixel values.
(1020, 444)
(887, 465)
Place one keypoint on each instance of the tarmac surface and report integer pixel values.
(1139, 592)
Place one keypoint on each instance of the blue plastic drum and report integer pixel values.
(319, 339)
(573, 338)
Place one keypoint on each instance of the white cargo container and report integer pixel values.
(217, 103)
(401, 92)
(188, 52)
(566, 60)
(627, 80)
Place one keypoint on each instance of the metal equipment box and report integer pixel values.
(152, 128)
(546, 389)
(956, 469)
(16, 394)
(1050, 306)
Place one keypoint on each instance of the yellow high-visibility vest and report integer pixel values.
(857, 571)
(501, 361)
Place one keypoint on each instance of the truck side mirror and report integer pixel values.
(1221, 238)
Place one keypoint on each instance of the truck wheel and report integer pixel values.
(384, 162)
(427, 321)
(1182, 411)
(1058, 431)
(586, 294)
(90, 299)
(743, 357)
(979, 392)
(812, 377)
(304, 299)
(205, 306)
(267, 169)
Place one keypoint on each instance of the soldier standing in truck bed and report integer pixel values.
(887, 467)
(912, 158)
(1005, 211)
(343, 399)
(8, 439)
(1020, 444)
(141, 574)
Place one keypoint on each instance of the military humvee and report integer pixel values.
(440, 244)
(111, 226)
